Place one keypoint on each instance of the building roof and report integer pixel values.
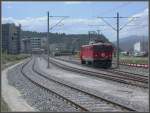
(99, 43)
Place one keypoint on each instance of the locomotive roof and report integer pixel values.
(95, 44)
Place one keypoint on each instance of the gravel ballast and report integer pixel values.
(124, 94)
(136, 70)
(41, 99)
(36, 97)
(11, 95)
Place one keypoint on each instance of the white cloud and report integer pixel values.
(40, 23)
(8, 4)
(141, 14)
(9, 7)
(75, 2)
(72, 2)
(138, 29)
(27, 23)
(80, 25)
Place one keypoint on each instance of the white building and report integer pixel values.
(35, 43)
(43, 42)
(137, 47)
(26, 45)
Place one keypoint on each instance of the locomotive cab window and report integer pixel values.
(103, 48)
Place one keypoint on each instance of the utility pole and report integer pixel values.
(117, 39)
(48, 38)
(89, 36)
(48, 47)
(117, 30)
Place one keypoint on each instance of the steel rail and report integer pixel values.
(87, 93)
(57, 95)
(130, 65)
(114, 69)
(110, 76)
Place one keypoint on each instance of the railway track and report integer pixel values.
(51, 91)
(144, 66)
(115, 75)
(110, 70)
(83, 101)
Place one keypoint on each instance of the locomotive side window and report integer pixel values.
(103, 48)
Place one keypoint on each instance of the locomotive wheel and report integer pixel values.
(109, 64)
(89, 62)
(95, 63)
(83, 62)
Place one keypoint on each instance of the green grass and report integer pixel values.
(134, 60)
(129, 59)
(4, 106)
(12, 59)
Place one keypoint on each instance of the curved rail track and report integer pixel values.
(115, 75)
(54, 93)
(75, 97)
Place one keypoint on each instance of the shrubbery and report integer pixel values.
(9, 58)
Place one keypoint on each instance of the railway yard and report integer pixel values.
(69, 86)
(75, 56)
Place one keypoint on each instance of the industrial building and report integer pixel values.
(35, 43)
(31, 44)
(140, 49)
(26, 45)
(11, 36)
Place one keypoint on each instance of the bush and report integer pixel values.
(9, 58)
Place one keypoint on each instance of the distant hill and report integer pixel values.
(127, 43)
(72, 41)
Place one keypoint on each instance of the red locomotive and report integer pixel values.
(98, 54)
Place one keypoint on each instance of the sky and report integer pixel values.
(81, 17)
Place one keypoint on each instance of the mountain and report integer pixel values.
(127, 43)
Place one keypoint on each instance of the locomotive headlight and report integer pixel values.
(102, 54)
(95, 55)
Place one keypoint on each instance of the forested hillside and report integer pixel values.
(71, 40)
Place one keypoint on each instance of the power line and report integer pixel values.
(115, 8)
(136, 28)
(48, 38)
(126, 24)
(117, 29)
(137, 25)
(63, 17)
(57, 24)
(48, 16)
(108, 24)
(95, 25)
